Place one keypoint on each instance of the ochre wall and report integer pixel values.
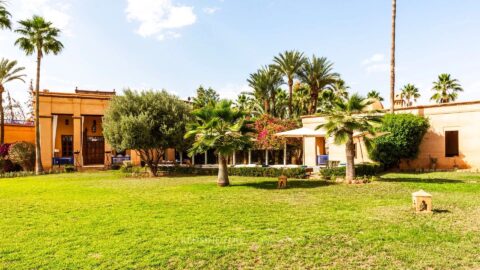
(15, 133)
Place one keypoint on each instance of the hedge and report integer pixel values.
(360, 170)
(299, 173)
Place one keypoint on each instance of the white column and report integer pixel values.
(266, 157)
(234, 161)
(249, 156)
(285, 154)
(206, 158)
(193, 160)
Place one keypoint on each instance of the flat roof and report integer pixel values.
(88, 94)
(417, 107)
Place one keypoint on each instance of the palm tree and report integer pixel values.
(392, 58)
(318, 73)
(374, 94)
(9, 71)
(264, 83)
(38, 36)
(339, 88)
(222, 128)
(288, 64)
(349, 116)
(446, 89)
(409, 94)
(4, 17)
(301, 99)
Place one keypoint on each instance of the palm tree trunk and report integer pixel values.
(290, 97)
(313, 102)
(2, 117)
(38, 152)
(392, 55)
(349, 149)
(222, 180)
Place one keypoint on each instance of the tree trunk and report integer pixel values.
(350, 151)
(266, 105)
(2, 117)
(38, 150)
(392, 55)
(222, 180)
(313, 102)
(290, 97)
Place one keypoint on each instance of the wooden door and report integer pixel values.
(94, 150)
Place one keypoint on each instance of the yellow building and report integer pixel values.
(71, 130)
(451, 142)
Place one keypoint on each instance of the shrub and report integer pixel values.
(299, 173)
(405, 133)
(23, 154)
(361, 170)
(4, 148)
(69, 168)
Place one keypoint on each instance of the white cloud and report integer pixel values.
(56, 11)
(159, 18)
(376, 63)
(210, 10)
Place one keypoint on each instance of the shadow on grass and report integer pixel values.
(441, 211)
(422, 180)
(291, 184)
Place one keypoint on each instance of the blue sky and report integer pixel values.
(180, 44)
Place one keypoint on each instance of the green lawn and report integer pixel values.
(102, 220)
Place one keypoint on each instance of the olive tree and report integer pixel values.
(148, 122)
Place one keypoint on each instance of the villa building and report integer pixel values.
(71, 133)
(71, 130)
(451, 142)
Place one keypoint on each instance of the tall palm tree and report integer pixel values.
(347, 117)
(392, 58)
(288, 64)
(374, 94)
(40, 37)
(446, 89)
(301, 100)
(222, 128)
(5, 16)
(409, 94)
(318, 73)
(339, 88)
(264, 83)
(9, 72)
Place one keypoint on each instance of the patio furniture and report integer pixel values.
(62, 161)
(322, 160)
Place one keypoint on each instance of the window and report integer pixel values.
(451, 143)
(67, 146)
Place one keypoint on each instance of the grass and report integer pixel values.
(102, 220)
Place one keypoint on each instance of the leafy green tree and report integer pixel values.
(148, 122)
(40, 37)
(205, 97)
(446, 89)
(404, 134)
(289, 64)
(374, 94)
(347, 117)
(409, 94)
(9, 71)
(221, 128)
(318, 74)
(264, 83)
(5, 16)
